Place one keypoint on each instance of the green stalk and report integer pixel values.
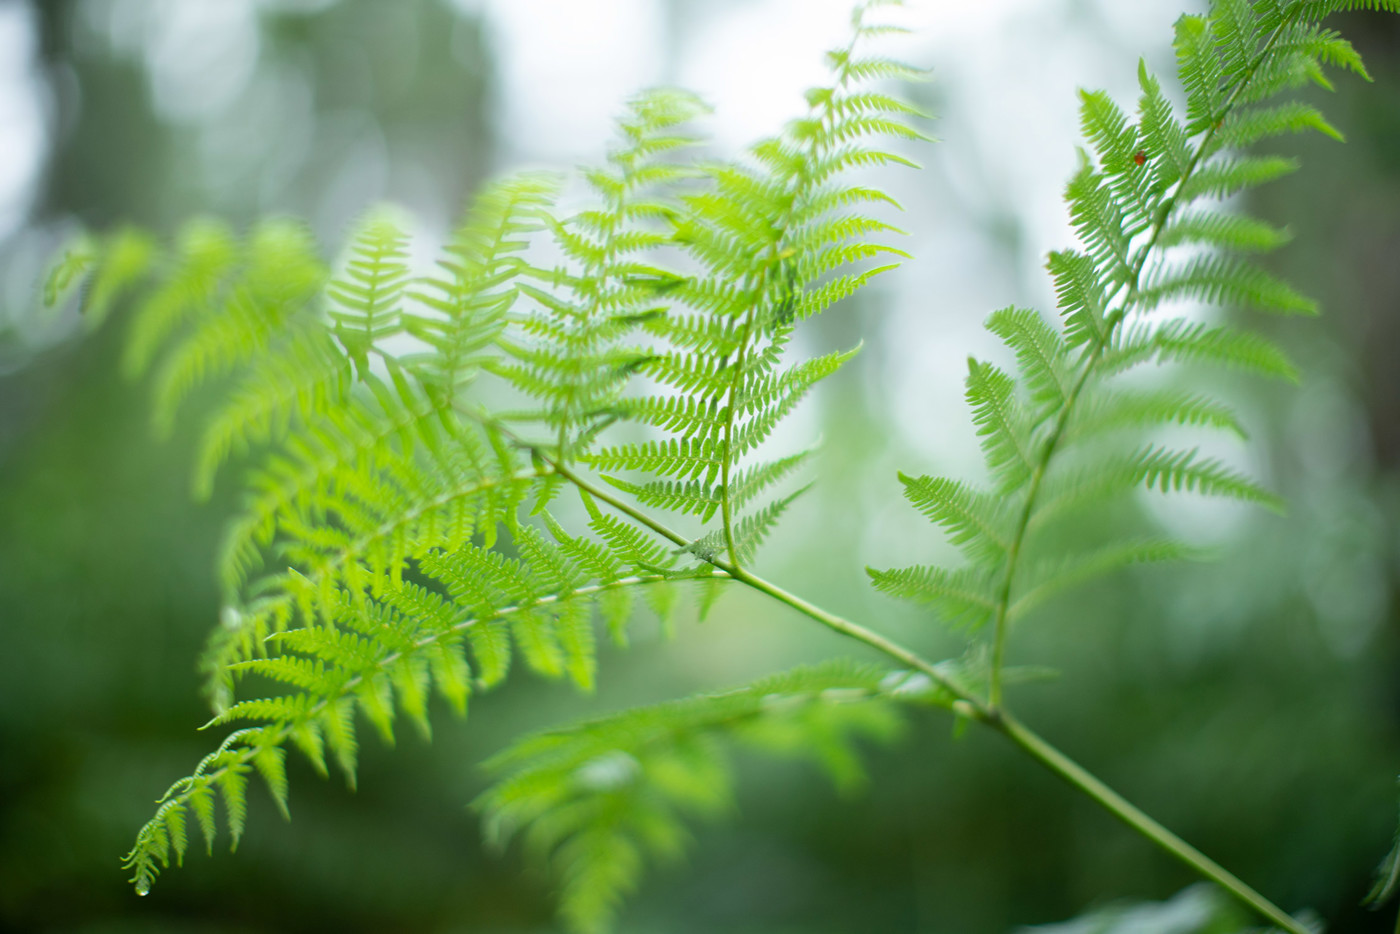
(991, 713)
(829, 620)
(1085, 781)
(1091, 360)
(997, 719)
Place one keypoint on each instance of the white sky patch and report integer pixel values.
(565, 70)
(23, 138)
(753, 63)
(200, 56)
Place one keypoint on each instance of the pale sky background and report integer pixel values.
(981, 216)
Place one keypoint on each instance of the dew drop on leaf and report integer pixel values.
(143, 887)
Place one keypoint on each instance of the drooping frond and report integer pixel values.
(778, 238)
(1065, 432)
(382, 655)
(394, 537)
(600, 798)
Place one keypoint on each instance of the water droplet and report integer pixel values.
(143, 887)
(608, 772)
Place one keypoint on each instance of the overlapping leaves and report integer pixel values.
(1066, 432)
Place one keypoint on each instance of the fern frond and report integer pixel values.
(1181, 340)
(467, 304)
(1224, 231)
(966, 597)
(597, 798)
(779, 238)
(1218, 280)
(1040, 352)
(381, 657)
(1001, 423)
(71, 268)
(193, 278)
(1227, 176)
(1151, 468)
(1259, 123)
(1044, 579)
(975, 522)
(127, 258)
(301, 379)
(573, 357)
(1135, 410)
(1054, 434)
(368, 292)
(279, 278)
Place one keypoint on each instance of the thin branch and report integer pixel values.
(1085, 781)
(997, 719)
(1091, 360)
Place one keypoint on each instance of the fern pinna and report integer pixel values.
(406, 436)
(1062, 435)
(774, 238)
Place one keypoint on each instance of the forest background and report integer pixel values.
(1251, 704)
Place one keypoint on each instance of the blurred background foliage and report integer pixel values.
(1251, 704)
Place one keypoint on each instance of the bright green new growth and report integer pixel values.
(407, 434)
(395, 537)
(1065, 434)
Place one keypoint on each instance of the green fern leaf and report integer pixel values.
(370, 289)
(599, 797)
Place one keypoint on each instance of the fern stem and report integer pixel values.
(725, 499)
(1013, 554)
(1083, 780)
(995, 718)
(871, 638)
(1091, 359)
(830, 620)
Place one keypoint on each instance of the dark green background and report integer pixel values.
(1250, 704)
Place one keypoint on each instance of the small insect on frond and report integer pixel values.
(601, 798)
(1064, 433)
(779, 237)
